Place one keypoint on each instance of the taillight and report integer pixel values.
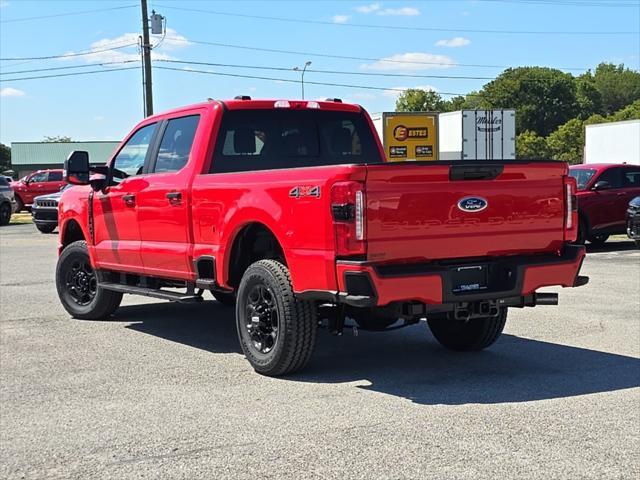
(570, 210)
(348, 212)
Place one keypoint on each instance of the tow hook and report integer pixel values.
(466, 311)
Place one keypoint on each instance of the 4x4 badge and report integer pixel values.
(305, 191)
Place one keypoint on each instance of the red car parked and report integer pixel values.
(604, 192)
(42, 182)
(289, 210)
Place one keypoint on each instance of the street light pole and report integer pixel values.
(304, 69)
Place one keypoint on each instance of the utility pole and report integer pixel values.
(146, 61)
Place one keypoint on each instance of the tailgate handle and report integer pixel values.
(475, 172)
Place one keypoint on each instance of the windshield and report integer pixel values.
(582, 176)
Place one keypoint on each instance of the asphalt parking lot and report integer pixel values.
(162, 390)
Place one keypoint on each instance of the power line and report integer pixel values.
(68, 55)
(350, 57)
(569, 3)
(332, 72)
(397, 27)
(68, 74)
(67, 14)
(67, 67)
(288, 80)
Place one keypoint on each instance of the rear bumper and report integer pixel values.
(367, 284)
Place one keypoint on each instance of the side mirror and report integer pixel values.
(76, 168)
(602, 185)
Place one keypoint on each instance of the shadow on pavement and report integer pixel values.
(408, 363)
(612, 246)
(209, 325)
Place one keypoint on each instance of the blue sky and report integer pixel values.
(105, 106)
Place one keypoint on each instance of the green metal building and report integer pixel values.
(27, 157)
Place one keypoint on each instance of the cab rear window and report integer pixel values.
(274, 139)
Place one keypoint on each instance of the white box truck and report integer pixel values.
(614, 142)
(477, 135)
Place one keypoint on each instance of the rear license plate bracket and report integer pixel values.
(470, 278)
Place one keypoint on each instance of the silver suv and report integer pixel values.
(7, 201)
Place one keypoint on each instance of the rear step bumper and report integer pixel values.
(367, 284)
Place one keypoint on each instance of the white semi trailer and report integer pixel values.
(615, 142)
(477, 135)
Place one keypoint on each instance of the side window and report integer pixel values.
(130, 159)
(631, 178)
(176, 144)
(38, 177)
(3, 182)
(55, 176)
(612, 175)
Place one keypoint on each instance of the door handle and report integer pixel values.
(129, 199)
(175, 198)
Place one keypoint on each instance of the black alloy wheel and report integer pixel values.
(261, 319)
(80, 281)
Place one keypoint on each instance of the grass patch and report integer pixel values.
(21, 218)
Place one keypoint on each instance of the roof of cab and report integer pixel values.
(238, 104)
(599, 166)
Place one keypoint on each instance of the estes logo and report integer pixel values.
(401, 133)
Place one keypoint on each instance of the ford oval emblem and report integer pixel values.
(472, 204)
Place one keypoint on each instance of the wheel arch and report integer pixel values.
(71, 232)
(253, 241)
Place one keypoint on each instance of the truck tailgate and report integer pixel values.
(420, 211)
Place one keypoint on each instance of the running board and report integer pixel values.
(151, 292)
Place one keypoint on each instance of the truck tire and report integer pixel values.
(277, 331)
(467, 336)
(46, 228)
(78, 288)
(19, 204)
(598, 239)
(225, 298)
(5, 213)
(582, 232)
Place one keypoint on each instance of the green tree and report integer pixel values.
(588, 97)
(454, 103)
(630, 112)
(566, 143)
(531, 146)
(416, 100)
(544, 98)
(57, 139)
(5, 157)
(618, 86)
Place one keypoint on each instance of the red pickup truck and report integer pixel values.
(288, 210)
(42, 182)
